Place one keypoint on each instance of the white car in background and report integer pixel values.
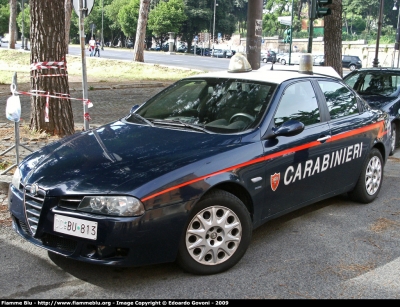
(294, 58)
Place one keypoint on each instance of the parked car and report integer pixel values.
(380, 87)
(319, 60)
(348, 61)
(201, 51)
(155, 48)
(294, 58)
(5, 38)
(230, 53)
(129, 44)
(181, 48)
(218, 53)
(190, 173)
(268, 56)
(279, 56)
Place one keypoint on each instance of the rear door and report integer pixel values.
(349, 141)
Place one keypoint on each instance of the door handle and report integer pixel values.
(324, 138)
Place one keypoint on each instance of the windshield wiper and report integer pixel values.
(179, 123)
(143, 119)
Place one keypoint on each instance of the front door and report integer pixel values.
(295, 166)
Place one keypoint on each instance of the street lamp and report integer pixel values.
(375, 62)
(395, 8)
(213, 36)
(102, 21)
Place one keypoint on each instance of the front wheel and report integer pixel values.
(352, 67)
(393, 140)
(370, 181)
(217, 234)
(283, 62)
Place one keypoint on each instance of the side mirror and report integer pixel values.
(289, 128)
(134, 108)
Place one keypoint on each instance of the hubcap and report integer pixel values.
(213, 235)
(373, 175)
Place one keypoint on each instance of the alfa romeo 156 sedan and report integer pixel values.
(188, 175)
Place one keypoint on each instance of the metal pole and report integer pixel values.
(254, 33)
(311, 26)
(213, 36)
(291, 37)
(375, 62)
(22, 34)
(83, 54)
(102, 22)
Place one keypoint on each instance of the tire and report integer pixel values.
(370, 181)
(283, 62)
(393, 139)
(352, 67)
(216, 236)
(265, 60)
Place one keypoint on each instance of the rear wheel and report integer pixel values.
(265, 60)
(370, 181)
(393, 139)
(283, 61)
(217, 234)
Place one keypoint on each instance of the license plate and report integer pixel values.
(75, 227)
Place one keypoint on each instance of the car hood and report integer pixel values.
(103, 159)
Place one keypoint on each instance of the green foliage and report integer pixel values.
(4, 17)
(27, 21)
(167, 17)
(128, 18)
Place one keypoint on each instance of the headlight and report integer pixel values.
(112, 205)
(16, 178)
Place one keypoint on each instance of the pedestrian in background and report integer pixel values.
(97, 48)
(92, 44)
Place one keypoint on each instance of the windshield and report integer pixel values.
(217, 105)
(386, 83)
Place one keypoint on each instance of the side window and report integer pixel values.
(298, 102)
(340, 100)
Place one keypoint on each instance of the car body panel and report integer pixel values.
(384, 95)
(169, 155)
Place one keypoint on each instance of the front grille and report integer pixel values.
(70, 202)
(64, 244)
(24, 227)
(33, 206)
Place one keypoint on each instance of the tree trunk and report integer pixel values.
(138, 51)
(333, 37)
(12, 26)
(51, 115)
(68, 13)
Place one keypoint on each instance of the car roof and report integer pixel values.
(277, 75)
(394, 69)
(326, 71)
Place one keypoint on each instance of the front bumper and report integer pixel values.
(121, 241)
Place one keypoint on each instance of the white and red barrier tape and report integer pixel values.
(49, 95)
(53, 65)
(62, 65)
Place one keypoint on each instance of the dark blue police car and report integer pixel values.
(189, 174)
